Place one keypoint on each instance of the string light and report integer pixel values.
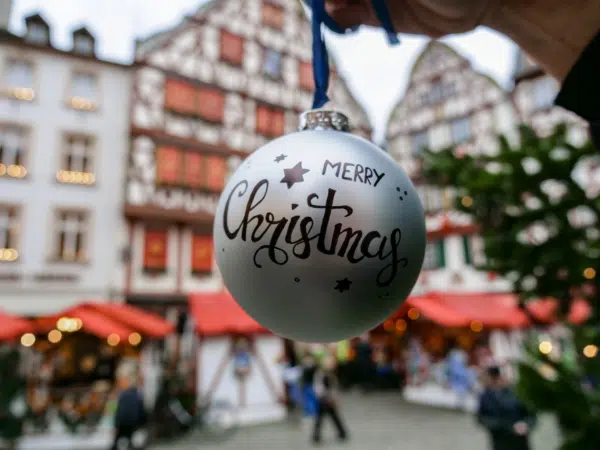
(545, 347)
(590, 351)
(113, 340)
(55, 336)
(388, 325)
(589, 273)
(69, 324)
(476, 326)
(28, 339)
(135, 339)
(71, 177)
(13, 170)
(8, 254)
(413, 314)
(467, 201)
(401, 325)
(21, 93)
(82, 104)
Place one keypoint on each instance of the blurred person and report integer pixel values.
(326, 387)
(563, 37)
(460, 379)
(505, 417)
(309, 399)
(130, 416)
(363, 360)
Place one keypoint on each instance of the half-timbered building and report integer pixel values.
(448, 103)
(206, 93)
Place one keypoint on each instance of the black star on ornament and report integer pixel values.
(280, 158)
(343, 285)
(294, 175)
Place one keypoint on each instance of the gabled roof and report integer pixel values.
(83, 31)
(36, 18)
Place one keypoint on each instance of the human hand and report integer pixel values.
(434, 18)
(521, 428)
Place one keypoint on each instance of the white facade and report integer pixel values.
(64, 139)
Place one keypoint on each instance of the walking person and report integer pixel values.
(505, 417)
(326, 386)
(130, 415)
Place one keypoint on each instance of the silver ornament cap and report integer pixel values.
(319, 119)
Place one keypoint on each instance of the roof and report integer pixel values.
(217, 313)
(12, 327)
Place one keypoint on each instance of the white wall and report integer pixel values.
(39, 193)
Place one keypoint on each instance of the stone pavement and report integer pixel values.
(377, 422)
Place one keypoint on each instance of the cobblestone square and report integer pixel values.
(376, 422)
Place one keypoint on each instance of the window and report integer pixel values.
(307, 80)
(273, 15)
(461, 130)
(438, 92)
(84, 91)
(183, 97)
(211, 104)
(202, 254)
(38, 33)
(9, 231)
(435, 257)
(232, 48)
(156, 248)
(71, 236)
(272, 64)
(77, 164)
(13, 147)
(19, 79)
(545, 90)
(420, 141)
(83, 45)
(270, 122)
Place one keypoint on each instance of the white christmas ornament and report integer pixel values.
(320, 235)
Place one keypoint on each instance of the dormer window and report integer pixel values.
(38, 30)
(83, 45)
(83, 42)
(38, 34)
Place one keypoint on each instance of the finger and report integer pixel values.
(351, 13)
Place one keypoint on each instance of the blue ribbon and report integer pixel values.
(320, 56)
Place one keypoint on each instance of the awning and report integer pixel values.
(461, 309)
(144, 322)
(218, 313)
(544, 310)
(12, 327)
(92, 322)
(435, 311)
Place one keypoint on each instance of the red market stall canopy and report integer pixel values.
(106, 319)
(12, 327)
(545, 310)
(494, 310)
(218, 313)
(144, 322)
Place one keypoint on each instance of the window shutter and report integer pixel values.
(277, 127)
(307, 80)
(202, 254)
(216, 172)
(441, 253)
(273, 15)
(211, 104)
(467, 250)
(180, 97)
(155, 250)
(232, 48)
(168, 165)
(194, 170)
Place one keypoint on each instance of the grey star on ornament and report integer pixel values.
(294, 175)
(343, 285)
(280, 158)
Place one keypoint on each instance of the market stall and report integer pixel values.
(237, 359)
